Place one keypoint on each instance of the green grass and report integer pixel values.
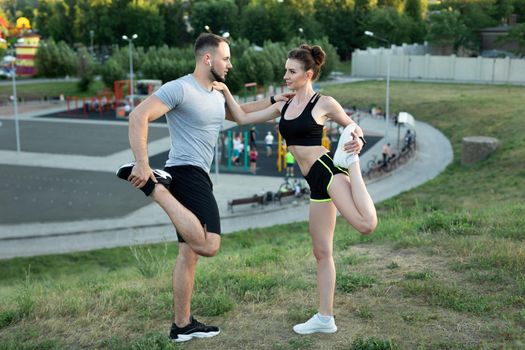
(37, 90)
(448, 256)
(344, 67)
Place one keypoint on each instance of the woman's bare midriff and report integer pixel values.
(306, 156)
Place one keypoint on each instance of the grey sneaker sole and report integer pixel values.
(318, 330)
(185, 337)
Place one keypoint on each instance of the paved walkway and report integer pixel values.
(149, 224)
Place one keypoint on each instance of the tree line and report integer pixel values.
(177, 23)
(166, 30)
(264, 65)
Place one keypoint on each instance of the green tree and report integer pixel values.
(86, 68)
(51, 20)
(219, 15)
(166, 63)
(516, 34)
(111, 71)
(236, 77)
(363, 6)
(143, 19)
(416, 9)
(396, 4)
(447, 28)
(387, 23)
(255, 24)
(176, 31)
(97, 17)
(501, 9)
(340, 24)
(275, 54)
(55, 60)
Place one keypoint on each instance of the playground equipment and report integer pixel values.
(250, 87)
(122, 90)
(229, 149)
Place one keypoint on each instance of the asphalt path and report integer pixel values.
(79, 138)
(32, 194)
(36, 194)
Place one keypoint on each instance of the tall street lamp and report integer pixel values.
(12, 59)
(130, 42)
(387, 103)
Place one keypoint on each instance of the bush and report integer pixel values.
(55, 60)
(86, 68)
(166, 63)
(112, 71)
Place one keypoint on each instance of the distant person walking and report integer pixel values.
(253, 137)
(386, 154)
(409, 138)
(268, 141)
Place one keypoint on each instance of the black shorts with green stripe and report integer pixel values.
(320, 177)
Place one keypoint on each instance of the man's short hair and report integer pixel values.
(207, 41)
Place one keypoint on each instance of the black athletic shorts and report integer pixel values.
(192, 187)
(320, 177)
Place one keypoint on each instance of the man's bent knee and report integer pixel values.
(211, 245)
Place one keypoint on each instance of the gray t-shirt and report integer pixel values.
(194, 121)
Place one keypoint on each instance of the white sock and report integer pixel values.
(324, 319)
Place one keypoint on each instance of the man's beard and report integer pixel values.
(216, 75)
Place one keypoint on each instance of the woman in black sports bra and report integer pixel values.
(335, 181)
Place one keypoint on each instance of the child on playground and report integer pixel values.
(253, 160)
(290, 162)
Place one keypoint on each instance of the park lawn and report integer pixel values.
(344, 67)
(445, 268)
(49, 90)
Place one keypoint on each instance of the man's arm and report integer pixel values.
(150, 109)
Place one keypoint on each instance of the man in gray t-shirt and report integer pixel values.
(195, 112)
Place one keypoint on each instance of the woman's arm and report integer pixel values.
(240, 116)
(335, 112)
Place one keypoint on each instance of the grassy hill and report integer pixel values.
(444, 270)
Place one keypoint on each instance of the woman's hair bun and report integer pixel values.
(317, 52)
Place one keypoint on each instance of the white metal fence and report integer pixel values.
(373, 63)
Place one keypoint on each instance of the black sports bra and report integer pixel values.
(303, 130)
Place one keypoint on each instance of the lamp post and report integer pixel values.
(130, 42)
(387, 102)
(12, 59)
(91, 34)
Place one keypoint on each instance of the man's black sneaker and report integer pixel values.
(162, 177)
(193, 330)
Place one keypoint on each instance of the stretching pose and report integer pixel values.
(194, 112)
(335, 181)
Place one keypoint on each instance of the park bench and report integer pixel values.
(289, 193)
(255, 199)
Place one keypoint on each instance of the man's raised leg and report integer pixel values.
(186, 223)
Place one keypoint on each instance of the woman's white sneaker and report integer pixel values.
(316, 325)
(341, 158)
